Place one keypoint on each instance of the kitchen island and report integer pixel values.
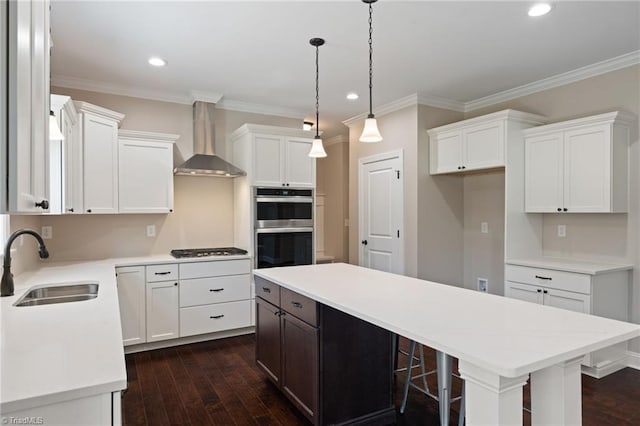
(499, 342)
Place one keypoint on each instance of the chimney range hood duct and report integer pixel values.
(204, 162)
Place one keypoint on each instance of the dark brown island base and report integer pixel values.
(335, 368)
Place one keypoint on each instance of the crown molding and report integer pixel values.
(614, 117)
(271, 130)
(385, 109)
(146, 136)
(118, 89)
(204, 96)
(241, 106)
(593, 70)
(82, 106)
(439, 102)
(336, 140)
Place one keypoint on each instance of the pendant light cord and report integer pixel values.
(370, 60)
(317, 94)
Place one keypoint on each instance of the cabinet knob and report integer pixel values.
(459, 168)
(463, 167)
(44, 204)
(175, 283)
(539, 290)
(88, 210)
(170, 210)
(364, 242)
(287, 184)
(70, 209)
(565, 209)
(545, 291)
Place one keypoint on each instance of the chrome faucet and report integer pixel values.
(6, 286)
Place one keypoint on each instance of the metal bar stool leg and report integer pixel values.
(444, 363)
(407, 382)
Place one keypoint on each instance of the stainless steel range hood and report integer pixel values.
(204, 161)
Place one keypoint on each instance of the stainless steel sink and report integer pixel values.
(56, 293)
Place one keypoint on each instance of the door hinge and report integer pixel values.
(398, 233)
(398, 174)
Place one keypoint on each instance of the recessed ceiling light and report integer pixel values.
(539, 9)
(352, 96)
(157, 62)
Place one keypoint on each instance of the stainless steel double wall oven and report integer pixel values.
(283, 227)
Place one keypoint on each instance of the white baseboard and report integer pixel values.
(633, 360)
(187, 340)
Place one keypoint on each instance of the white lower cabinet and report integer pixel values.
(99, 410)
(132, 300)
(162, 311)
(171, 300)
(604, 294)
(214, 296)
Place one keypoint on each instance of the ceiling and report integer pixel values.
(258, 52)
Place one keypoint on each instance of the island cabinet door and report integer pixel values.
(132, 303)
(300, 365)
(268, 339)
(163, 306)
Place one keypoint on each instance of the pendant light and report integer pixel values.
(54, 130)
(317, 150)
(370, 133)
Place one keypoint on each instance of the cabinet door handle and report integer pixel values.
(565, 209)
(544, 278)
(162, 273)
(44, 204)
(216, 289)
(266, 289)
(539, 290)
(297, 305)
(545, 291)
(216, 316)
(559, 209)
(463, 167)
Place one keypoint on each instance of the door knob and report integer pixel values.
(364, 242)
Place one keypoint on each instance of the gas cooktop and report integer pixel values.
(204, 252)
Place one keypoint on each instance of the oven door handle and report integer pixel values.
(282, 230)
(284, 199)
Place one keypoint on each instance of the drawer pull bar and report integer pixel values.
(217, 316)
(216, 289)
(543, 278)
(162, 273)
(266, 289)
(297, 305)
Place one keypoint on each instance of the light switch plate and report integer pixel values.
(484, 227)
(151, 230)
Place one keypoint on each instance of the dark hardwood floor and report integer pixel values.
(218, 383)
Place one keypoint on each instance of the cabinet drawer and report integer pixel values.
(549, 278)
(162, 273)
(215, 317)
(203, 291)
(267, 290)
(299, 306)
(215, 269)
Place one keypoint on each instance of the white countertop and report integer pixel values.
(58, 352)
(506, 336)
(570, 265)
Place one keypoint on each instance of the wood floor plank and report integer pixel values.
(218, 383)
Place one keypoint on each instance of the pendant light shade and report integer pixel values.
(54, 130)
(317, 150)
(370, 133)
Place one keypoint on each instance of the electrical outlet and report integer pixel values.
(562, 231)
(346, 223)
(483, 285)
(151, 230)
(47, 232)
(484, 227)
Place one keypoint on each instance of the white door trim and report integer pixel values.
(399, 154)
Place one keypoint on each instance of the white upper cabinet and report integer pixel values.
(99, 134)
(475, 144)
(28, 105)
(145, 172)
(578, 166)
(274, 156)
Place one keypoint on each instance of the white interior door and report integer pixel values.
(381, 213)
